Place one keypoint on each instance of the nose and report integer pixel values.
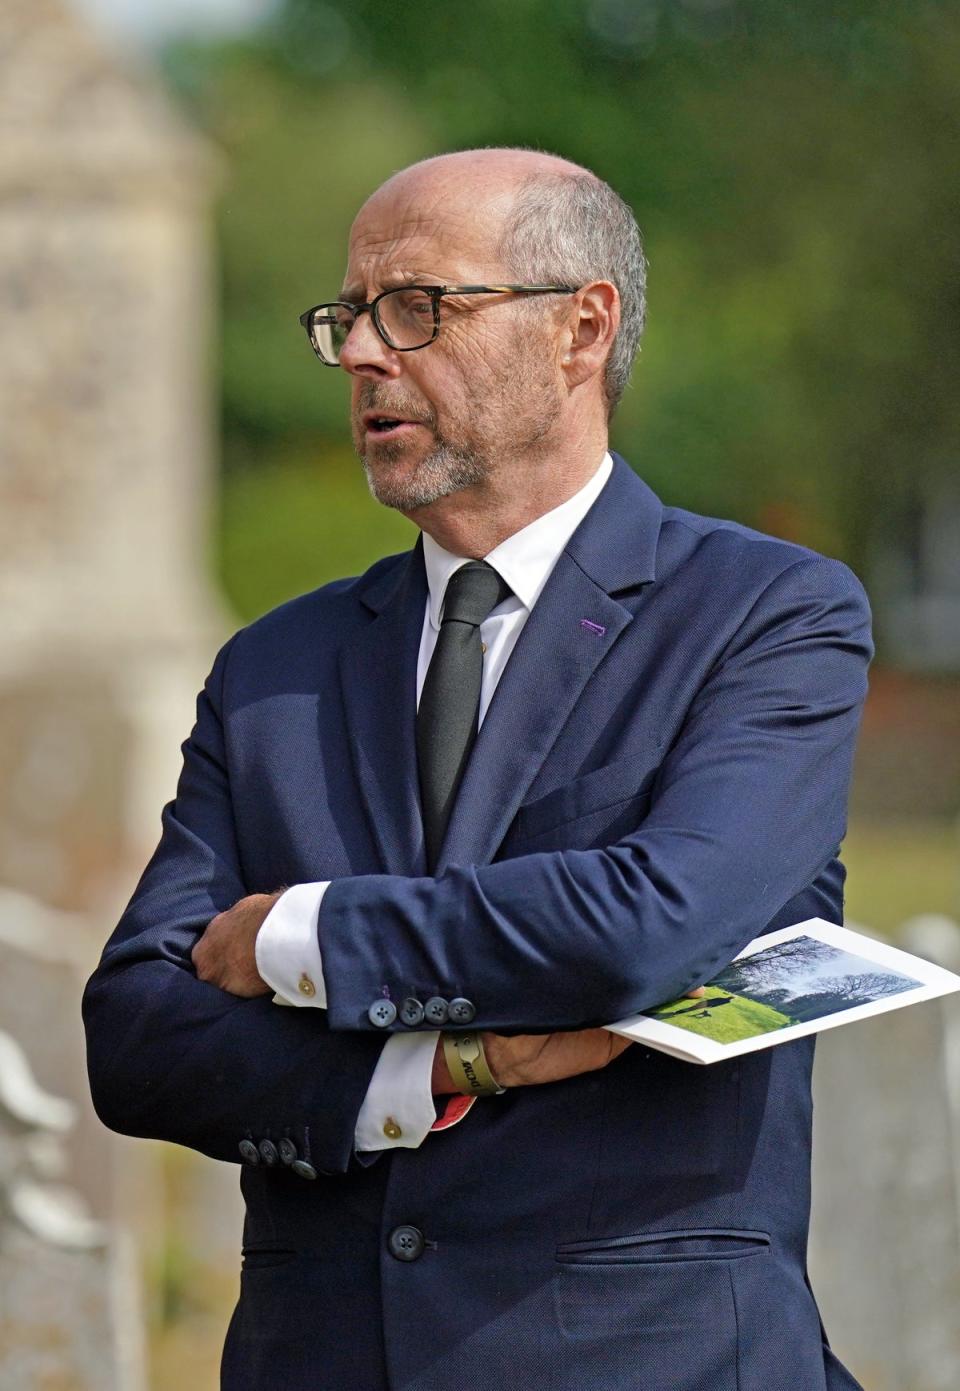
(365, 354)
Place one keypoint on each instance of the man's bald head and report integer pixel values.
(494, 173)
(552, 222)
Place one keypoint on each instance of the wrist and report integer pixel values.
(496, 1057)
(441, 1083)
(468, 1065)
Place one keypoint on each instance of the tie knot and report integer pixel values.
(473, 592)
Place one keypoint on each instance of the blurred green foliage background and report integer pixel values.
(792, 165)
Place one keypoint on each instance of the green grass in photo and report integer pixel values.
(724, 1023)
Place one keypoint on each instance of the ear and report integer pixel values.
(590, 331)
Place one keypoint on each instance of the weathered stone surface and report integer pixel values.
(885, 1247)
(105, 455)
(55, 1323)
(106, 472)
(69, 1286)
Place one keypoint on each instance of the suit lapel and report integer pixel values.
(572, 628)
(378, 674)
(554, 658)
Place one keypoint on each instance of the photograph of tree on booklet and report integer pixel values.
(790, 983)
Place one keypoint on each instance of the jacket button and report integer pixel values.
(436, 1010)
(288, 1151)
(462, 1011)
(303, 1169)
(411, 1012)
(382, 1013)
(406, 1243)
(249, 1152)
(269, 1152)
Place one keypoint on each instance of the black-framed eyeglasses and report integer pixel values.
(406, 318)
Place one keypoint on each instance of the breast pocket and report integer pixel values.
(597, 808)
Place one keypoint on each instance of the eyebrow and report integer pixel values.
(351, 296)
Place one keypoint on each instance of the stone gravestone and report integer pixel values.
(885, 1243)
(106, 469)
(109, 624)
(69, 1286)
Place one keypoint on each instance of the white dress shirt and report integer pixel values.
(398, 1109)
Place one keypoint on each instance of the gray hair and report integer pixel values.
(571, 229)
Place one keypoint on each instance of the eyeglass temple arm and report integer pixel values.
(506, 289)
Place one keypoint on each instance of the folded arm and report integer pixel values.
(749, 805)
(173, 1057)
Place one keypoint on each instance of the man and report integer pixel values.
(631, 755)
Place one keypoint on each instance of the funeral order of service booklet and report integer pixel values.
(784, 985)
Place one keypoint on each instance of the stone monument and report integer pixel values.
(106, 467)
(69, 1283)
(109, 625)
(885, 1243)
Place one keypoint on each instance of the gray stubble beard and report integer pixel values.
(445, 470)
(450, 468)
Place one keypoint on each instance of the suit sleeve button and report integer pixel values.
(288, 1151)
(411, 1012)
(249, 1152)
(391, 1129)
(462, 1011)
(269, 1152)
(436, 1010)
(382, 1013)
(303, 1169)
(306, 986)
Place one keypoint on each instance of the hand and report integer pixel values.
(526, 1060)
(225, 954)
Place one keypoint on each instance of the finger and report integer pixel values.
(203, 969)
(697, 994)
(204, 961)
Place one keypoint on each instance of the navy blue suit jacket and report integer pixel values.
(649, 790)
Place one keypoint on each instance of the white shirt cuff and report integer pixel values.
(398, 1110)
(287, 948)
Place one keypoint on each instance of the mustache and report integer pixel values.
(393, 403)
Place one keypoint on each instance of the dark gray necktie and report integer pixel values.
(450, 699)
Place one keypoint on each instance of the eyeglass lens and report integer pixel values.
(405, 318)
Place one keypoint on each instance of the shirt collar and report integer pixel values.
(524, 559)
